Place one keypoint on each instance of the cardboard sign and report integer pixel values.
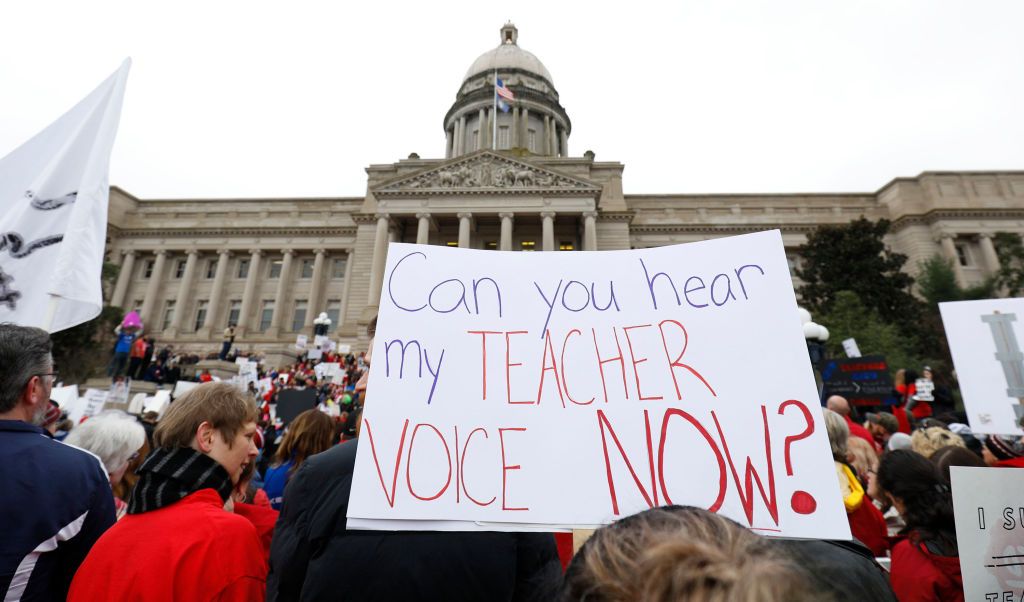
(985, 339)
(520, 391)
(301, 341)
(850, 347)
(292, 402)
(990, 531)
(863, 381)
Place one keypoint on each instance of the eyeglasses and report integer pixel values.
(55, 375)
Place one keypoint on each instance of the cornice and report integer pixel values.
(932, 217)
(263, 232)
(728, 229)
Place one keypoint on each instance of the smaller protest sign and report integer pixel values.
(989, 531)
(135, 405)
(181, 387)
(314, 354)
(320, 341)
(241, 361)
(158, 402)
(292, 402)
(89, 405)
(264, 385)
(301, 341)
(925, 389)
(330, 345)
(863, 381)
(345, 348)
(64, 396)
(850, 347)
(329, 370)
(118, 394)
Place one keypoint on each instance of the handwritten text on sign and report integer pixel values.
(574, 388)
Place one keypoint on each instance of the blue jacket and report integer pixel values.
(56, 503)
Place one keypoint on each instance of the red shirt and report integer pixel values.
(859, 431)
(205, 378)
(191, 550)
(920, 576)
(263, 518)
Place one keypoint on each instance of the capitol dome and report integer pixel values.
(508, 55)
(528, 120)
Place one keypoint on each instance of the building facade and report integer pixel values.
(507, 182)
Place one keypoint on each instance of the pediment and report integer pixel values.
(486, 172)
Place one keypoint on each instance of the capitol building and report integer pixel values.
(505, 181)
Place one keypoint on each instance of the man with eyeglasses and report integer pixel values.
(57, 498)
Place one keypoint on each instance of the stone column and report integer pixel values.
(988, 251)
(514, 131)
(524, 132)
(380, 252)
(554, 137)
(589, 230)
(481, 132)
(462, 135)
(249, 296)
(546, 137)
(184, 293)
(345, 289)
(455, 138)
(152, 289)
(123, 278)
(449, 136)
(315, 287)
(465, 221)
(282, 287)
(506, 231)
(949, 249)
(547, 231)
(216, 294)
(565, 142)
(423, 228)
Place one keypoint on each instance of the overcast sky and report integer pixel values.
(264, 99)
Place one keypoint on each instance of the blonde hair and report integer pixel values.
(838, 433)
(930, 440)
(226, 408)
(682, 553)
(862, 456)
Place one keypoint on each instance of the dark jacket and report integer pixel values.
(314, 557)
(845, 570)
(57, 503)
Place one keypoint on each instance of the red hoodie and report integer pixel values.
(1011, 463)
(919, 576)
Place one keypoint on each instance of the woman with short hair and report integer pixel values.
(114, 437)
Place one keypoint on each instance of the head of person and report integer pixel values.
(838, 404)
(26, 373)
(882, 425)
(215, 419)
(862, 457)
(928, 440)
(309, 434)
(955, 455)
(838, 434)
(898, 441)
(997, 449)
(114, 436)
(916, 488)
(682, 553)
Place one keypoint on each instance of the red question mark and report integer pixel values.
(801, 502)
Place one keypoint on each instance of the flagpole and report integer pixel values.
(494, 113)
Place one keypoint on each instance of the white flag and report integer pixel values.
(54, 191)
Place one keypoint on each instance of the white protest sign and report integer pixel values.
(89, 405)
(301, 341)
(320, 341)
(850, 347)
(181, 387)
(985, 342)
(314, 353)
(925, 389)
(989, 517)
(345, 348)
(264, 385)
(158, 402)
(64, 396)
(136, 404)
(571, 389)
(329, 370)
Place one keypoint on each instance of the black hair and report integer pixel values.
(926, 497)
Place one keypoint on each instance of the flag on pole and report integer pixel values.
(54, 191)
(503, 94)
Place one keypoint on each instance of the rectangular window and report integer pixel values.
(566, 245)
(211, 269)
(528, 245)
(179, 269)
(334, 311)
(234, 311)
(266, 315)
(299, 317)
(963, 255)
(306, 268)
(531, 140)
(243, 268)
(338, 268)
(168, 314)
(503, 140)
(147, 268)
(275, 268)
(201, 307)
(491, 245)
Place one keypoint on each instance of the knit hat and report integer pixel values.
(1001, 447)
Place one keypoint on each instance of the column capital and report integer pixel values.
(320, 251)
(465, 215)
(592, 214)
(288, 252)
(985, 235)
(257, 252)
(547, 214)
(423, 215)
(224, 252)
(127, 252)
(944, 235)
(160, 252)
(507, 215)
(381, 215)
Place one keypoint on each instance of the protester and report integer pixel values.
(682, 553)
(57, 498)
(841, 406)
(136, 357)
(882, 426)
(926, 441)
(926, 563)
(844, 571)
(261, 515)
(178, 542)
(955, 455)
(862, 457)
(116, 438)
(1002, 452)
(122, 348)
(866, 522)
(310, 433)
(229, 340)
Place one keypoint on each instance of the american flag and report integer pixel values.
(503, 92)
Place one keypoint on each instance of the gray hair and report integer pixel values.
(838, 433)
(112, 435)
(24, 353)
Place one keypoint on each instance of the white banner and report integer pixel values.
(571, 389)
(985, 339)
(53, 214)
(989, 531)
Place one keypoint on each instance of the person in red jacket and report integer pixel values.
(178, 542)
(1002, 452)
(926, 561)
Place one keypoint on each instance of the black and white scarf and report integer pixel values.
(169, 474)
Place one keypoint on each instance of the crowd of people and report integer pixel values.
(219, 499)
